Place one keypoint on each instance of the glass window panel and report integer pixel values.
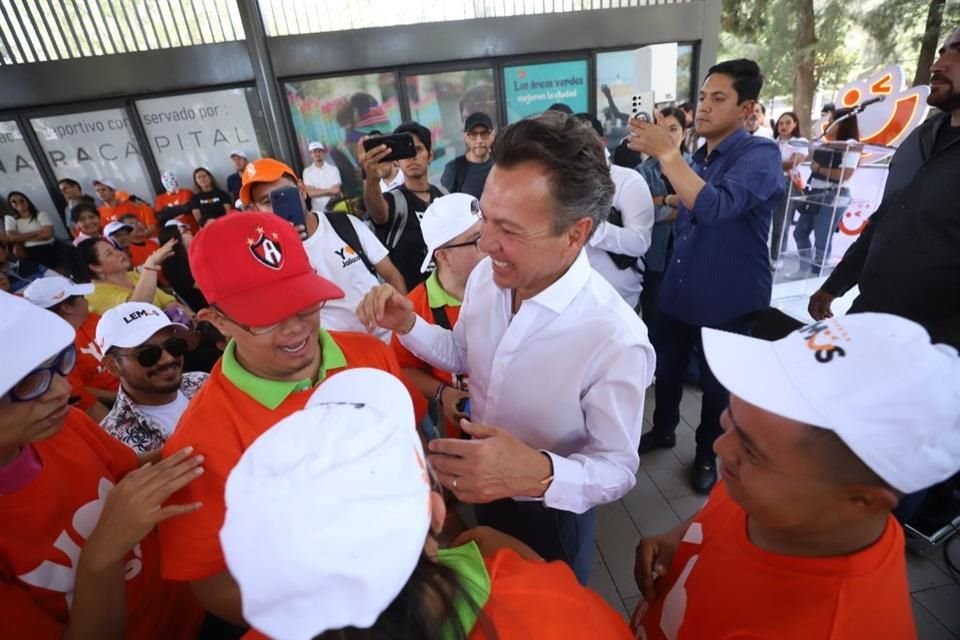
(18, 172)
(654, 69)
(201, 129)
(94, 144)
(338, 112)
(442, 101)
(531, 88)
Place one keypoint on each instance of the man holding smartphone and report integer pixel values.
(269, 185)
(396, 214)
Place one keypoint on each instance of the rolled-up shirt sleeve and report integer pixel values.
(605, 469)
(754, 178)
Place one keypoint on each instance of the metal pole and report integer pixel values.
(278, 127)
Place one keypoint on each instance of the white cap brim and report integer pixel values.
(20, 321)
(50, 291)
(239, 152)
(750, 369)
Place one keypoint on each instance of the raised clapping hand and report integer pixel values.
(385, 307)
(135, 506)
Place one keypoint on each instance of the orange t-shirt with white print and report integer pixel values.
(723, 587)
(220, 423)
(89, 365)
(45, 526)
(180, 198)
(421, 306)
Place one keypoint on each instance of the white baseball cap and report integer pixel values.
(130, 324)
(174, 222)
(104, 182)
(447, 217)
(239, 152)
(52, 290)
(874, 379)
(31, 336)
(316, 145)
(115, 226)
(328, 511)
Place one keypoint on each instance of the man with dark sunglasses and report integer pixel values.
(145, 350)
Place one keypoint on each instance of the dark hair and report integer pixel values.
(623, 156)
(592, 121)
(213, 180)
(577, 167)
(81, 207)
(686, 105)
(167, 233)
(560, 108)
(795, 133)
(417, 129)
(677, 114)
(31, 208)
(747, 79)
(87, 257)
(763, 109)
(409, 615)
(71, 182)
(828, 108)
(848, 129)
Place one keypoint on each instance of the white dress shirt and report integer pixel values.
(632, 198)
(566, 374)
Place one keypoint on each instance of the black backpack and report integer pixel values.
(460, 168)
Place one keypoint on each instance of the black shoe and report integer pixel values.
(704, 475)
(653, 440)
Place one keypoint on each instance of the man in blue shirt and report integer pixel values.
(719, 272)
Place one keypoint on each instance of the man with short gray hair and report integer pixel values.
(558, 362)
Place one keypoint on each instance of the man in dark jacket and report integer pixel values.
(907, 260)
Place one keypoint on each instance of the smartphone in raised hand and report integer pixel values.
(642, 106)
(288, 204)
(401, 146)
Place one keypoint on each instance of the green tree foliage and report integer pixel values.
(897, 29)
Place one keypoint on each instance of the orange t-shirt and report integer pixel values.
(721, 586)
(537, 601)
(406, 359)
(78, 391)
(90, 369)
(140, 252)
(45, 526)
(221, 422)
(143, 212)
(177, 199)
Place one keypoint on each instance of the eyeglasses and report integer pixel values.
(261, 331)
(37, 382)
(469, 243)
(151, 354)
(482, 135)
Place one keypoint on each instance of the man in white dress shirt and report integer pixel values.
(558, 362)
(321, 180)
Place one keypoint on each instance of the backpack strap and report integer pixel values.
(391, 236)
(460, 168)
(621, 261)
(440, 317)
(344, 228)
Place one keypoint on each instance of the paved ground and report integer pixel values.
(662, 498)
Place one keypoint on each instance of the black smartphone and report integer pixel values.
(400, 144)
(287, 204)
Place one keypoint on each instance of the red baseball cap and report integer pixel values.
(253, 267)
(262, 170)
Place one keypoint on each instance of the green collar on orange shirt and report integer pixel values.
(272, 393)
(474, 579)
(437, 296)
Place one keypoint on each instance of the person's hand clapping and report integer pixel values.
(385, 307)
(651, 139)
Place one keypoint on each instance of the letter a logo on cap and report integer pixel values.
(267, 250)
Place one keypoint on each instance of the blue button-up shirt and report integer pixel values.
(720, 266)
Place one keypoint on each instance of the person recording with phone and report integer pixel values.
(340, 247)
(396, 214)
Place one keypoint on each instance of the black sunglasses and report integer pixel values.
(151, 354)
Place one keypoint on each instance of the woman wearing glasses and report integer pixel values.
(145, 350)
(78, 552)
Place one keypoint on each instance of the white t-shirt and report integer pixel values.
(29, 225)
(393, 184)
(166, 416)
(321, 178)
(335, 261)
(632, 197)
(791, 147)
